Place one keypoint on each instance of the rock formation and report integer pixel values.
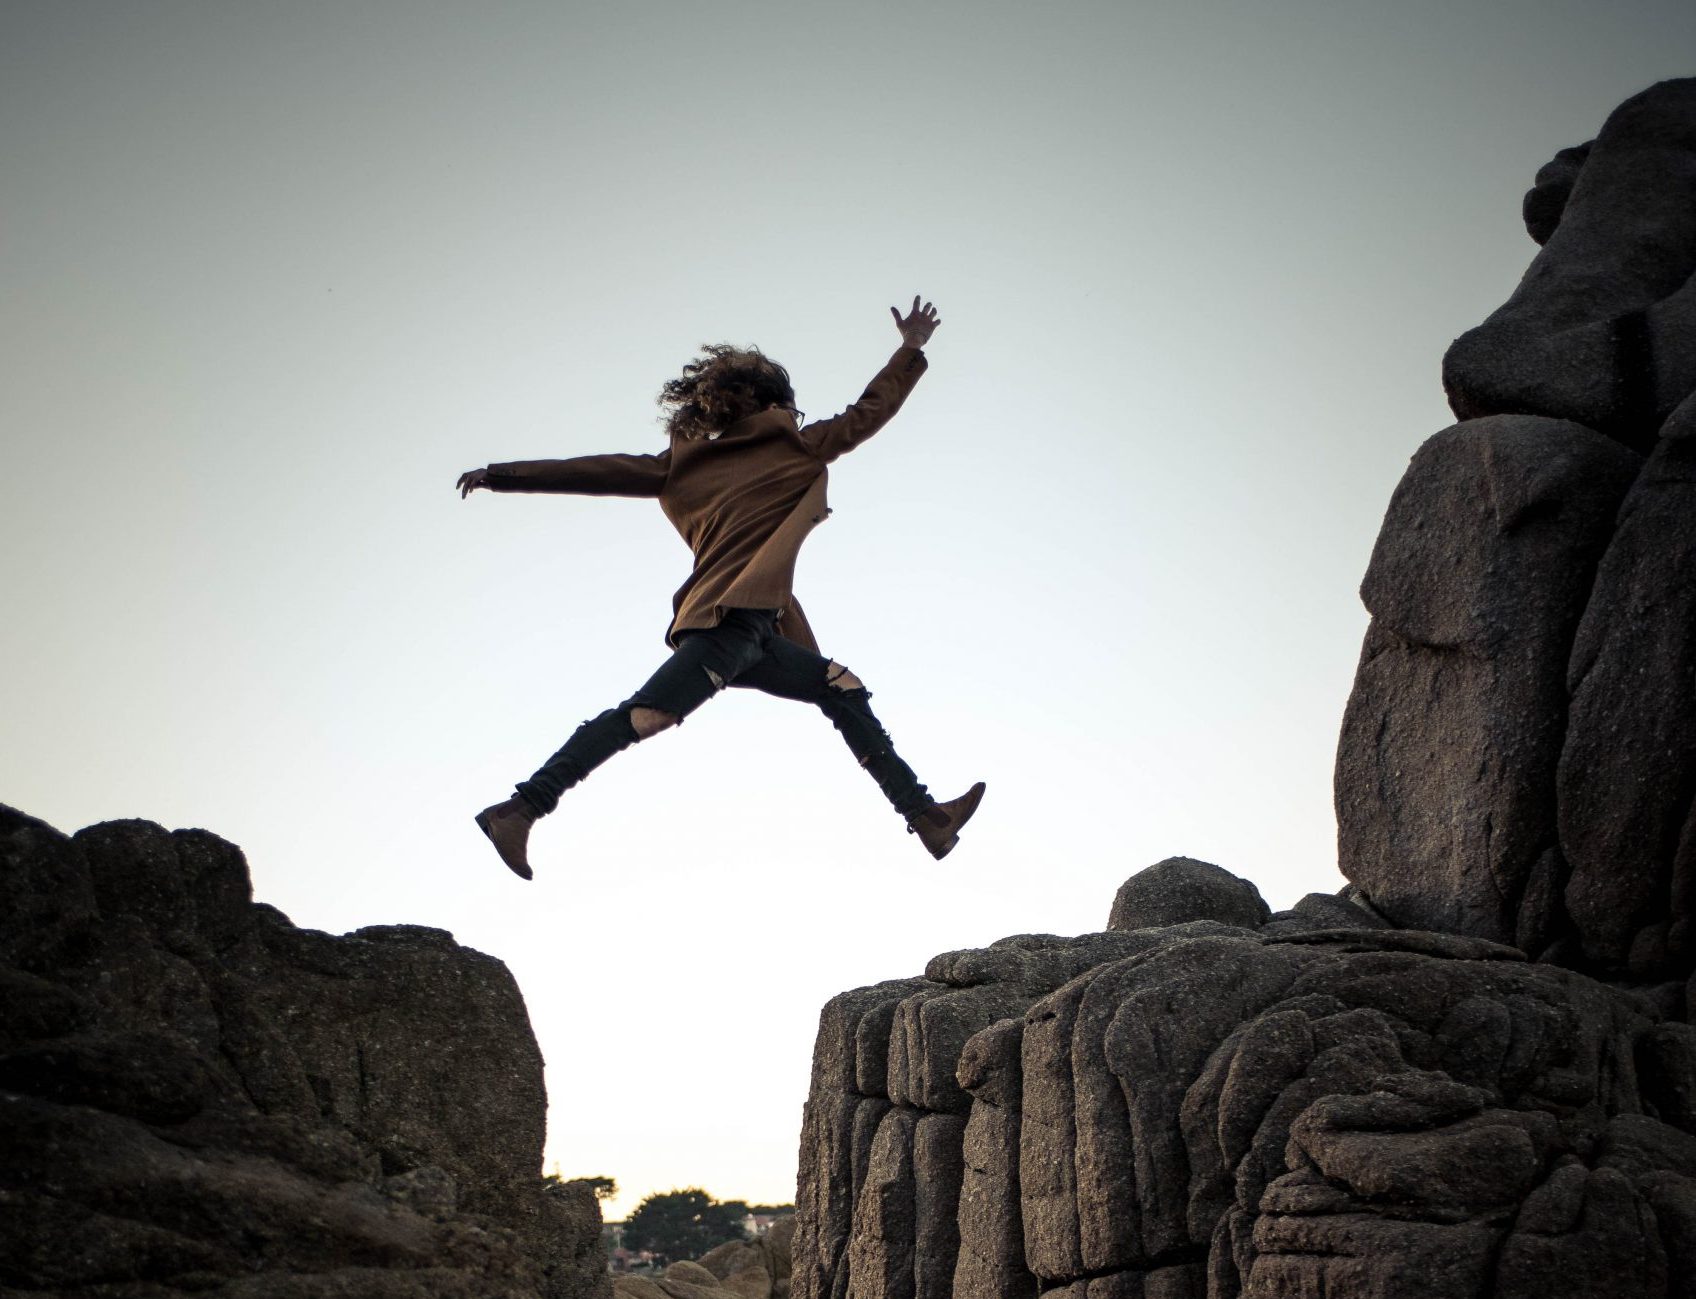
(1470, 1073)
(1517, 760)
(1602, 329)
(737, 1269)
(201, 1098)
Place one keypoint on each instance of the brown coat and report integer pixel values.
(744, 500)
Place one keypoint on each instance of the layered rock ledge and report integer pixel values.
(1295, 1107)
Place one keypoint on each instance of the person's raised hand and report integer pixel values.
(917, 325)
(471, 480)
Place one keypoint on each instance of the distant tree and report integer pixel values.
(603, 1187)
(772, 1210)
(683, 1224)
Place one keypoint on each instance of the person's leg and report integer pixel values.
(699, 668)
(790, 672)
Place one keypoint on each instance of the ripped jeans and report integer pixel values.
(744, 650)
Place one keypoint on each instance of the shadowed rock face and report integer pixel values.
(1602, 329)
(1628, 767)
(1445, 780)
(1545, 201)
(199, 1097)
(1471, 1072)
(1516, 760)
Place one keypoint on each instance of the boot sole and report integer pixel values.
(520, 869)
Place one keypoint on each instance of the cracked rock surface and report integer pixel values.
(1221, 1111)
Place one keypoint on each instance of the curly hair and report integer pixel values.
(719, 387)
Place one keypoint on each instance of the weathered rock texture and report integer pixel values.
(198, 1097)
(751, 1269)
(1471, 1072)
(1446, 765)
(1282, 1109)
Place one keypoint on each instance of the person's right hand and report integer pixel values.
(917, 327)
(471, 480)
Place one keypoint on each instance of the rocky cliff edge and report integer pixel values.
(196, 1096)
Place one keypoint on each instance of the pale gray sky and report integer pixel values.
(273, 274)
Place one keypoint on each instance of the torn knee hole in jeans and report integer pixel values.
(646, 722)
(715, 678)
(838, 677)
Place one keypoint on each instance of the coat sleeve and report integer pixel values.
(608, 475)
(830, 438)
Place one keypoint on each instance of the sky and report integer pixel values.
(272, 275)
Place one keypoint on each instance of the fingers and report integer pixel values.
(919, 322)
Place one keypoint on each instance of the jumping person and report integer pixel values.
(743, 481)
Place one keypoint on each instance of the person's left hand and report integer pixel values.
(918, 325)
(471, 480)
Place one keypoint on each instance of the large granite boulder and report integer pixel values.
(201, 1098)
(1602, 329)
(1445, 778)
(1180, 889)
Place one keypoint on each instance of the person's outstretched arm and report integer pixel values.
(608, 475)
(830, 438)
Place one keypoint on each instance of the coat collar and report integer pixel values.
(761, 424)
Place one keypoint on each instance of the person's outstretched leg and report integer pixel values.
(790, 672)
(699, 668)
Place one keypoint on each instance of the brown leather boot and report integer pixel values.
(508, 827)
(938, 826)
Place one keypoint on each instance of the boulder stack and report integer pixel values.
(1471, 1072)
